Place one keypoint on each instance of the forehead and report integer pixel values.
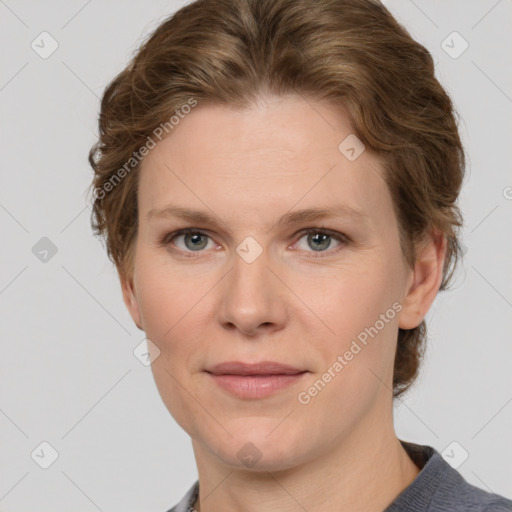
(280, 154)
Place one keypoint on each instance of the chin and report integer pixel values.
(258, 459)
(259, 444)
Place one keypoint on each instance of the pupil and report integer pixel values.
(319, 241)
(196, 238)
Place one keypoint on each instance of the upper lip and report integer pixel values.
(262, 368)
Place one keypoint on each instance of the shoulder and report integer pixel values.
(465, 496)
(186, 503)
(499, 506)
(440, 488)
(457, 494)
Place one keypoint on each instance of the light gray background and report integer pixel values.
(68, 373)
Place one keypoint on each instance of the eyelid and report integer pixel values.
(334, 234)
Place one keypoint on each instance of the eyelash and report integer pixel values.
(340, 237)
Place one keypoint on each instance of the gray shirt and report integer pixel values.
(437, 488)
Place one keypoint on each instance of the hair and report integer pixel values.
(348, 52)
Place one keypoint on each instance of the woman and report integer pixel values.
(277, 183)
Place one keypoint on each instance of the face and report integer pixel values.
(256, 281)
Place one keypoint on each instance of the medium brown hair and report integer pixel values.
(350, 52)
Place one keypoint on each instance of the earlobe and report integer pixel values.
(424, 281)
(130, 300)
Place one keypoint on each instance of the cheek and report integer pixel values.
(171, 307)
(351, 297)
(176, 309)
(359, 356)
(359, 305)
(165, 296)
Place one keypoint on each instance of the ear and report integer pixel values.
(130, 299)
(424, 281)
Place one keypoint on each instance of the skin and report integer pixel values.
(292, 305)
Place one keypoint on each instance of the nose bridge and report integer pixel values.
(250, 265)
(250, 275)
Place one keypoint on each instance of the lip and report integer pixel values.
(256, 380)
(261, 368)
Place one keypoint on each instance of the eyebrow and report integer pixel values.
(289, 218)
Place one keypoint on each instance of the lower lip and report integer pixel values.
(255, 386)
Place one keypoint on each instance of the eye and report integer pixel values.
(319, 240)
(192, 240)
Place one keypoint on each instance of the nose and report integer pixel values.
(253, 299)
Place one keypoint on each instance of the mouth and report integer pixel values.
(256, 380)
